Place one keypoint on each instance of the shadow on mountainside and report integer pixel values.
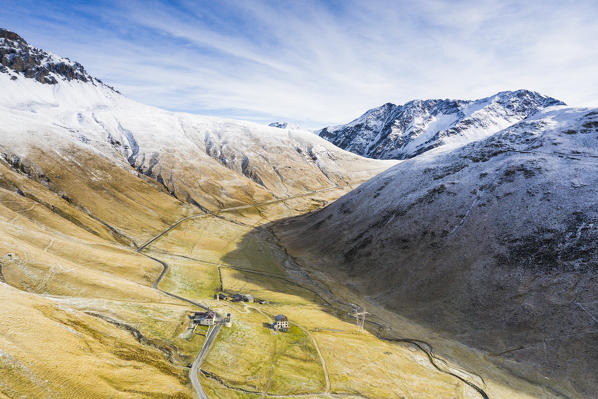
(551, 345)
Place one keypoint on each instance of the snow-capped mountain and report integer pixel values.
(489, 242)
(404, 131)
(53, 112)
(493, 244)
(284, 125)
(86, 177)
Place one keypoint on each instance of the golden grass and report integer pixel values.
(189, 278)
(278, 291)
(214, 389)
(243, 354)
(69, 329)
(379, 369)
(251, 356)
(161, 323)
(296, 367)
(53, 351)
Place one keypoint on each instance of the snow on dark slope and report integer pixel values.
(493, 244)
(404, 131)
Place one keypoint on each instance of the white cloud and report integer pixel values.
(320, 63)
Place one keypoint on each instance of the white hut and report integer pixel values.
(281, 323)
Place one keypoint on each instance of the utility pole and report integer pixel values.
(360, 318)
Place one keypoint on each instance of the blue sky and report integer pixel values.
(319, 62)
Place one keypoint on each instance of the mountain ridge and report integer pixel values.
(86, 175)
(93, 131)
(491, 244)
(405, 131)
(20, 59)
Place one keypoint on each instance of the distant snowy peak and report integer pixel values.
(284, 125)
(280, 125)
(404, 131)
(21, 60)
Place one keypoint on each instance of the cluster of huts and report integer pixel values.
(208, 319)
(238, 297)
(281, 322)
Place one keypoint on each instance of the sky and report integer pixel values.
(317, 63)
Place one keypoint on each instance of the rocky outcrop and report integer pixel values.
(280, 125)
(18, 58)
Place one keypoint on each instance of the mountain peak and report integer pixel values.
(280, 125)
(530, 95)
(21, 60)
(404, 131)
(284, 125)
(6, 34)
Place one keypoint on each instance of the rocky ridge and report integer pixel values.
(404, 131)
(18, 58)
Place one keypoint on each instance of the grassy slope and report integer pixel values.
(58, 255)
(85, 322)
(248, 358)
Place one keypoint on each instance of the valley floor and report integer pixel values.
(142, 345)
(251, 360)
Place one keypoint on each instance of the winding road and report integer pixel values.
(194, 373)
(213, 331)
(231, 209)
(433, 359)
(210, 336)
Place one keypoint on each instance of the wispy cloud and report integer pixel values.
(322, 62)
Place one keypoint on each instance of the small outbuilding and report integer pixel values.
(281, 323)
(242, 298)
(237, 298)
(220, 296)
(204, 318)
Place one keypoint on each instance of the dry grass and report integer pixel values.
(81, 293)
(189, 278)
(253, 357)
(249, 357)
(53, 351)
